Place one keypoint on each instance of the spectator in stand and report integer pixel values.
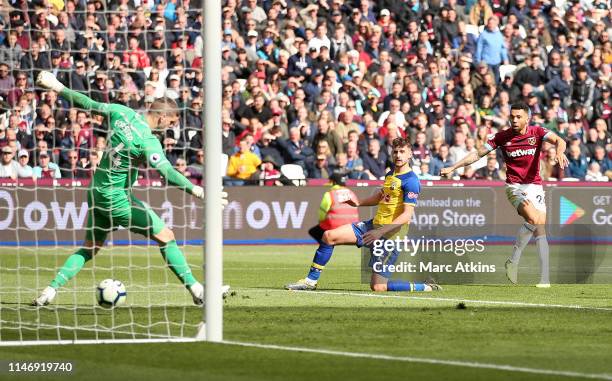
(322, 148)
(7, 81)
(458, 150)
(11, 51)
(490, 171)
(268, 146)
(577, 166)
(320, 169)
(592, 142)
(594, 173)
(73, 169)
(346, 122)
(341, 163)
(375, 161)
(171, 150)
(8, 167)
(295, 150)
(181, 166)
(420, 152)
(24, 170)
(196, 168)
(325, 133)
(583, 89)
(21, 84)
(135, 50)
(368, 135)
(300, 64)
(269, 171)
(45, 168)
(354, 162)
(441, 160)
(243, 165)
(394, 115)
(491, 47)
(604, 133)
(599, 157)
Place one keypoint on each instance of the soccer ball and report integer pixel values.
(111, 293)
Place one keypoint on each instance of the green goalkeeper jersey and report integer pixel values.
(130, 143)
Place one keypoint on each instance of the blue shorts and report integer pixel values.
(387, 258)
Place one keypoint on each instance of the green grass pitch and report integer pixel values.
(516, 326)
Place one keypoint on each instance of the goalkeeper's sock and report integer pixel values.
(176, 262)
(322, 256)
(522, 239)
(400, 285)
(542, 245)
(71, 267)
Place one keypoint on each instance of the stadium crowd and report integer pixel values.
(325, 85)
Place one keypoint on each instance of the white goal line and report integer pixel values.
(424, 360)
(369, 356)
(432, 298)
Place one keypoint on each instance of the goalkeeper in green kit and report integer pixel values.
(131, 141)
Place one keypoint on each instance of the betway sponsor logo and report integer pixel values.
(522, 152)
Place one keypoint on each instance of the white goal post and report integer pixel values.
(213, 228)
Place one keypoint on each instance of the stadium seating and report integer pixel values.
(284, 69)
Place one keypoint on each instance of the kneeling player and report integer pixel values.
(396, 201)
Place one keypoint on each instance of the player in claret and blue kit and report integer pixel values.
(521, 145)
(131, 141)
(396, 201)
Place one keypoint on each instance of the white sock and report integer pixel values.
(522, 239)
(542, 245)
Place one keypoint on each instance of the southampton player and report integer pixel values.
(396, 201)
(131, 141)
(521, 145)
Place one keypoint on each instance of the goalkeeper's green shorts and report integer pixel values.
(104, 217)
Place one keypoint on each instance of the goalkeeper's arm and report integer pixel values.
(156, 158)
(48, 81)
(176, 178)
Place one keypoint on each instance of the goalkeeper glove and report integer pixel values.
(48, 81)
(198, 192)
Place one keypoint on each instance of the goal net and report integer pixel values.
(113, 53)
(43, 225)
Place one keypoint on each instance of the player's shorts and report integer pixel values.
(534, 193)
(388, 258)
(104, 217)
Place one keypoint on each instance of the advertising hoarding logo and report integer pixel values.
(568, 211)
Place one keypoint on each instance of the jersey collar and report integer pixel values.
(402, 173)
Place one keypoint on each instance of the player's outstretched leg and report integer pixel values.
(534, 225)
(543, 253)
(178, 265)
(522, 239)
(339, 236)
(379, 283)
(71, 267)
